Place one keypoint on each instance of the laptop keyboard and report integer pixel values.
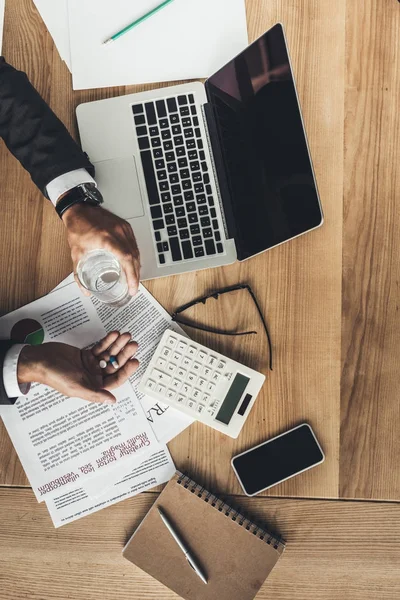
(182, 205)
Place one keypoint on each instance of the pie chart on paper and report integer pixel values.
(27, 331)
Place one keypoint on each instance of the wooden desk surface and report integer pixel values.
(330, 297)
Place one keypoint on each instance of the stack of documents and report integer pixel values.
(78, 456)
(187, 39)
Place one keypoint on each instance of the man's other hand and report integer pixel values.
(77, 373)
(93, 228)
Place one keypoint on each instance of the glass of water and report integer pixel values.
(100, 272)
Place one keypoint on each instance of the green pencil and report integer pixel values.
(138, 21)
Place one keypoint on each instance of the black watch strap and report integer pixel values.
(86, 193)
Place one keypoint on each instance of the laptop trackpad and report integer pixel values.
(118, 182)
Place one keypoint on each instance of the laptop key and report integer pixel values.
(178, 200)
(180, 151)
(197, 241)
(188, 133)
(208, 189)
(176, 129)
(174, 118)
(164, 186)
(182, 100)
(144, 143)
(217, 236)
(184, 173)
(210, 246)
(197, 132)
(163, 123)
(171, 103)
(201, 199)
(191, 98)
(168, 208)
(158, 224)
(157, 236)
(204, 166)
(210, 201)
(213, 213)
(195, 121)
(172, 168)
(170, 156)
(189, 195)
(187, 249)
(178, 140)
(186, 122)
(195, 229)
(182, 162)
(137, 109)
(214, 223)
(150, 178)
(184, 110)
(180, 212)
(182, 223)
(151, 113)
(198, 252)
(172, 230)
(174, 178)
(140, 120)
(156, 211)
(200, 144)
(166, 134)
(205, 221)
(161, 259)
(190, 207)
(184, 234)
(207, 233)
(141, 130)
(193, 110)
(170, 220)
(160, 164)
(187, 184)
(161, 110)
(153, 130)
(219, 248)
(175, 248)
(156, 142)
(192, 154)
(161, 175)
(197, 177)
(190, 144)
(166, 197)
(203, 210)
(206, 179)
(176, 189)
(168, 146)
(157, 153)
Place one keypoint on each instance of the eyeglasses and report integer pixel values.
(216, 295)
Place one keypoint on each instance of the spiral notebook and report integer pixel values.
(235, 554)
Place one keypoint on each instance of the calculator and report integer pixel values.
(202, 383)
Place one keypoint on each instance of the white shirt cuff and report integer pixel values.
(10, 378)
(66, 182)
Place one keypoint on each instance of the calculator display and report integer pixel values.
(232, 398)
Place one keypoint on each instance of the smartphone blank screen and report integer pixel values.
(278, 459)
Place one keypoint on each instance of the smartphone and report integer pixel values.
(278, 459)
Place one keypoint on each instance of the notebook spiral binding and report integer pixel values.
(230, 512)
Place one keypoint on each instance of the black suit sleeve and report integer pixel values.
(33, 133)
(4, 346)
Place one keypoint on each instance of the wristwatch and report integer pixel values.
(87, 193)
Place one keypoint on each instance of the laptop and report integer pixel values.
(207, 174)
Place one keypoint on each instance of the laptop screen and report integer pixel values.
(264, 147)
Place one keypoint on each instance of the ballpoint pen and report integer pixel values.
(182, 546)
(137, 22)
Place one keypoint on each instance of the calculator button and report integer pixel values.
(186, 389)
(228, 376)
(166, 352)
(196, 367)
(200, 408)
(171, 342)
(191, 378)
(206, 398)
(210, 387)
(176, 384)
(171, 368)
(221, 365)
(192, 351)
(151, 385)
(181, 346)
(206, 371)
(181, 399)
(211, 361)
(216, 376)
(192, 404)
(202, 355)
(176, 356)
(160, 389)
(187, 362)
(210, 410)
(170, 394)
(160, 376)
(181, 372)
(161, 362)
(202, 382)
(196, 394)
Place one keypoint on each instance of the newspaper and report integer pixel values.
(68, 507)
(63, 440)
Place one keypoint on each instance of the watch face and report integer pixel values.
(93, 193)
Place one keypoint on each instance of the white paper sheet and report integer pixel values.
(55, 16)
(185, 40)
(62, 440)
(157, 469)
(2, 6)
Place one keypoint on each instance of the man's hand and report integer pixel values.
(93, 228)
(77, 373)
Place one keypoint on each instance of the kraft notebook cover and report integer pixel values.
(235, 554)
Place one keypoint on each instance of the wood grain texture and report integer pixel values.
(299, 292)
(335, 550)
(370, 444)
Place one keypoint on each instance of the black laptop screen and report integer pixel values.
(264, 148)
